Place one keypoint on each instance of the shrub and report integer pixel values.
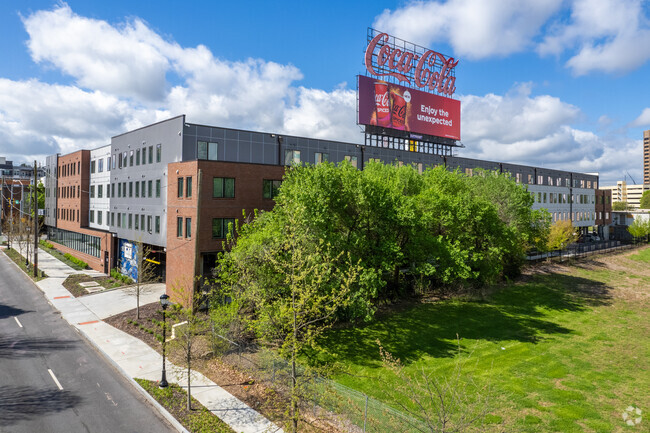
(119, 277)
(46, 244)
(76, 261)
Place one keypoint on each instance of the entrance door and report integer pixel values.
(106, 262)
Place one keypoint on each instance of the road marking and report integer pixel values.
(55, 379)
(61, 297)
(88, 323)
(18, 322)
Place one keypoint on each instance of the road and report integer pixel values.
(51, 379)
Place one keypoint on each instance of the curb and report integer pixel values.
(173, 421)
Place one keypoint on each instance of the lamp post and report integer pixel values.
(164, 303)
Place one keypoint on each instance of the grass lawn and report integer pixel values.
(174, 398)
(562, 351)
(20, 261)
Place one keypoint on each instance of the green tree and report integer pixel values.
(620, 206)
(561, 234)
(639, 228)
(645, 200)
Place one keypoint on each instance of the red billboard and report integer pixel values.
(393, 106)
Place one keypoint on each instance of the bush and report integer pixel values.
(76, 261)
(119, 277)
(46, 244)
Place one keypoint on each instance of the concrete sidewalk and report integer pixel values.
(133, 357)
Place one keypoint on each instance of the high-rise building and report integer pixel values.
(646, 157)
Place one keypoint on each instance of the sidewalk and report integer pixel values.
(133, 357)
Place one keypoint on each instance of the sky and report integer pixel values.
(551, 83)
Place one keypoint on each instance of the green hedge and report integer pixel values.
(120, 277)
(75, 260)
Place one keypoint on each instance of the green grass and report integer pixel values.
(643, 256)
(559, 352)
(173, 398)
(20, 261)
(69, 260)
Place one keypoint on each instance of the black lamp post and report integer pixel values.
(164, 302)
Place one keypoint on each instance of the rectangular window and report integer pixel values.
(188, 187)
(100, 165)
(108, 163)
(113, 190)
(202, 150)
(157, 188)
(137, 157)
(223, 187)
(92, 191)
(188, 227)
(319, 157)
(92, 216)
(158, 152)
(271, 188)
(130, 189)
(92, 167)
(124, 157)
(130, 221)
(179, 227)
(137, 189)
(100, 190)
(352, 160)
(113, 218)
(291, 157)
(141, 222)
(131, 158)
(221, 226)
(137, 222)
(212, 151)
(144, 193)
(119, 219)
(157, 224)
(149, 184)
(108, 190)
(180, 187)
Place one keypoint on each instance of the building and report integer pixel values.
(622, 192)
(175, 187)
(646, 157)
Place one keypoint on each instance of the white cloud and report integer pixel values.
(475, 29)
(643, 119)
(519, 128)
(603, 35)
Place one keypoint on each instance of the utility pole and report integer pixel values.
(11, 213)
(35, 221)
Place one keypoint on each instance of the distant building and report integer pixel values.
(628, 193)
(646, 157)
(22, 171)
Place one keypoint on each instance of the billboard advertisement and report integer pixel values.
(393, 106)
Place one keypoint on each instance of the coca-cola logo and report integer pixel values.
(382, 100)
(401, 63)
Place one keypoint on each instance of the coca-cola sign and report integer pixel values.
(428, 70)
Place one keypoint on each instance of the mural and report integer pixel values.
(128, 259)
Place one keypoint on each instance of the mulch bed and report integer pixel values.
(72, 284)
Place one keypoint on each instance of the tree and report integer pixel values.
(645, 200)
(146, 273)
(620, 206)
(295, 297)
(561, 234)
(639, 228)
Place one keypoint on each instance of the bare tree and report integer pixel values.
(146, 273)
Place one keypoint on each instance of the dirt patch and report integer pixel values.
(73, 284)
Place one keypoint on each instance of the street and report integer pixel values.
(51, 379)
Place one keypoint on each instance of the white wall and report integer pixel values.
(101, 177)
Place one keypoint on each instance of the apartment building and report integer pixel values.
(646, 157)
(176, 187)
(627, 193)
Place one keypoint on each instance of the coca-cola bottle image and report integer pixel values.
(382, 104)
(398, 112)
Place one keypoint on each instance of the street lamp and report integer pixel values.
(164, 303)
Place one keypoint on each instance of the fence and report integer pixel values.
(580, 250)
(324, 401)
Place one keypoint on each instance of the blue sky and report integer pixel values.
(554, 83)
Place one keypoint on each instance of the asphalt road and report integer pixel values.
(51, 379)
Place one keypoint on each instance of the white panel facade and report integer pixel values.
(575, 204)
(100, 177)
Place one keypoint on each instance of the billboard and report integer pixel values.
(393, 106)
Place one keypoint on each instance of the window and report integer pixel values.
(149, 223)
(137, 189)
(137, 157)
(131, 158)
(291, 157)
(188, 227)
(113, 190)
(130, 221)
(130, 189)
(108, 163)
(207, 150)
(114, 163)
(119, 219)
(126, 161)
(157, 224)
(113, 218)
(92, 167)
(319, 157)
(92, 216)
(144, 193)
(92, 191)
(100, 165)
(221, 226)
(179, 227)
(150, 154)
(141, 222)
(271, 188)
(137, 222)
(157, 187)
(108, 190)
(180, 187)
(158, 152)
(352, 160)
(223, 187)
(100, 190)
(150, 183)
(540, 180)
(188, 187)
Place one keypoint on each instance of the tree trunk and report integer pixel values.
(294, 403)
(137, 301)
(189, 369)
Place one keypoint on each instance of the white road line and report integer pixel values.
(55, 379)
(18, 322)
